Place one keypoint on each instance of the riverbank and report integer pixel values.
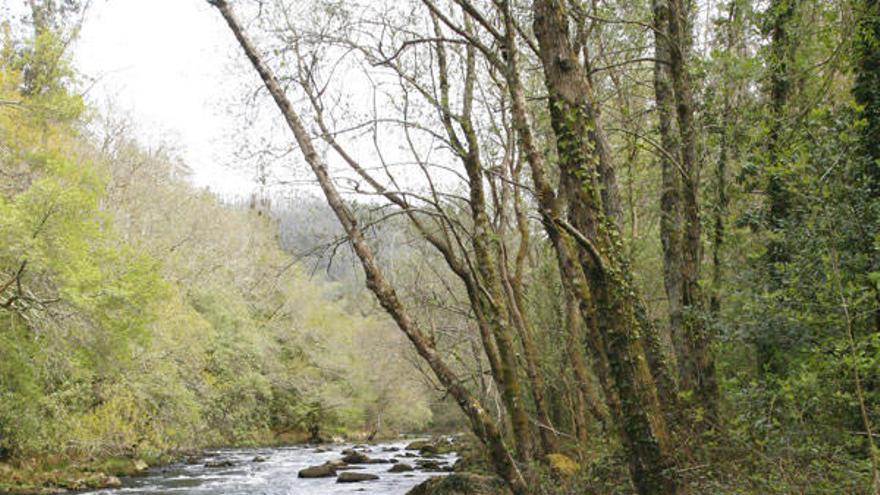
(58, 473)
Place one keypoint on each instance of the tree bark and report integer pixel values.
(866, 91)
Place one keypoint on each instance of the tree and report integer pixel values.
(680, 204)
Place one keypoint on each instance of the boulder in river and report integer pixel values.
(356, 458)
(400, 468)
(349, 477)
(219, 464)
(258, 458)
(428, 450)
(432, 447)
(429, 466)
(322, 471)
(418, 445)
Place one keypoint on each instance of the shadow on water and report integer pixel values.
(238, 474)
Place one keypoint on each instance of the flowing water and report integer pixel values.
(277, 475)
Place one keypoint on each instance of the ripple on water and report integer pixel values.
(277, 475)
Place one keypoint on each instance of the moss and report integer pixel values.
(461, 484)
(561, 465)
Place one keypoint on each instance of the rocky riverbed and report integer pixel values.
(382, 468)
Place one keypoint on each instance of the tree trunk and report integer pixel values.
(640, 417)
(683, 249)
(481, 423)
(551, 208)
(486, 247)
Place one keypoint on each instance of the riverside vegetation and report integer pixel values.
(140, 317)
(630, 246)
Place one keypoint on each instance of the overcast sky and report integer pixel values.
(174, 67)
(168, 64)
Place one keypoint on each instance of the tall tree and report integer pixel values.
(581, 153)
(680, 203)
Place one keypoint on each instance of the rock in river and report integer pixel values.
(400, 468)
(356, 458)
(418, 445)
(349, 477)
(322, 471)
(429, 465)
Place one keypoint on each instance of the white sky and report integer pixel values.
(167, 63)
(174, 67)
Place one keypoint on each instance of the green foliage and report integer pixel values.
(138, 315)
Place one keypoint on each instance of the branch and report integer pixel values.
(584, 242)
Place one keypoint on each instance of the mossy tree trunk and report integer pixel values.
(579, 152)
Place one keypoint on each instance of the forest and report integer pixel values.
(623, 247)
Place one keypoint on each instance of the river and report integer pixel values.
(277, 474)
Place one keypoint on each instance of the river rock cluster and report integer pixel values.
(423, 455)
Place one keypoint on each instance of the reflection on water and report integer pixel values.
(278, 473)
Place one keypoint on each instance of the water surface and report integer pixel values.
(278, 474)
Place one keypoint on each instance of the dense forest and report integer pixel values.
(628, 246)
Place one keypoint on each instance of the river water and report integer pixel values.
(277, 475)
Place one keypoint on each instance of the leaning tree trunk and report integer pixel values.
(551, 207)
(481, 423)
(490, 296)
